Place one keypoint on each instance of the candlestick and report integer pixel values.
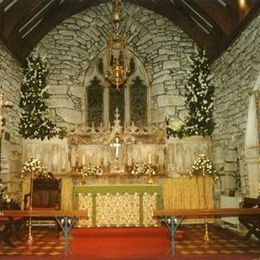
(150, 180)
(83, 159)
(149, 158)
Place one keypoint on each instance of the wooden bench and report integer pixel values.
(10, 226)
(252, 223)
(65, 218)
(172, 218)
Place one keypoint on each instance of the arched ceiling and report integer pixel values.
(213, 24)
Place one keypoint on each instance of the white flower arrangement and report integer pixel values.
(91, 170)
(142, 169)
(176, 125)
(32, 165)
(203, 166)
(4, 197)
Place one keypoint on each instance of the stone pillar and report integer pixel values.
(252, 142)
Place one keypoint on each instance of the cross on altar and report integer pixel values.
(116, 145)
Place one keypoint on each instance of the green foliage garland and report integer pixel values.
(34, 121)
(199, 93)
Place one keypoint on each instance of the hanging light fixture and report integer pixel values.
(117, 71)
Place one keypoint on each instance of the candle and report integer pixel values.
(259, 188)
(149, 158)
(83, 159)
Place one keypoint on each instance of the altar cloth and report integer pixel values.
(129, 205)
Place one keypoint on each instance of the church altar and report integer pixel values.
(116, 150)
(118, 205)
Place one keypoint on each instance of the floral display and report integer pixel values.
(199, 93)
(33, 165)
(142, 169)
(4, 197)
(203, 166)
(175, 128)
(34, 120)
(91, 170)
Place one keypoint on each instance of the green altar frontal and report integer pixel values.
(129, 205)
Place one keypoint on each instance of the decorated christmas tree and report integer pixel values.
(34, 121)
(199, 93)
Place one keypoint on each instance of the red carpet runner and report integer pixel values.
(123, 242)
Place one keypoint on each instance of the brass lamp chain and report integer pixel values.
(116, 72)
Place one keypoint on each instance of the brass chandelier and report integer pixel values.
(116, 70)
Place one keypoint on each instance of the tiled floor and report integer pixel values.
(221, 243)
(45, 243)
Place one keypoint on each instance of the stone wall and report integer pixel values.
(235, 74)
(72, 49)
(73, 46)
(10, 78)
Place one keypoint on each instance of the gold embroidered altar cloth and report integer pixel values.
(118, 205)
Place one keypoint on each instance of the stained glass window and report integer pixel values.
(117, 99)
(138, 102)
(95, 102)
(131, 100)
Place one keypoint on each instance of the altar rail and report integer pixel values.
(201, 213)
(43, 213)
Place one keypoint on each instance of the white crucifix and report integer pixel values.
(116, 145)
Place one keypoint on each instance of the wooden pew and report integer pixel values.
(65, 218)
(11, 226)
(252, 223)
(172, 218)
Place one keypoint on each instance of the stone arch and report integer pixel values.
(73, 45)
